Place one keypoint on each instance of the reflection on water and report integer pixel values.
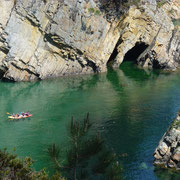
(131, 107)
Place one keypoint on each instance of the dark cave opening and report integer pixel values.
(135, 52)
(131, 55)
(2, 72)
(112, 57)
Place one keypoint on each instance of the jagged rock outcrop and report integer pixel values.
(153, 27)
(49, 38)
(167, 154)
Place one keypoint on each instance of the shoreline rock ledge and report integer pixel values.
(167, 154)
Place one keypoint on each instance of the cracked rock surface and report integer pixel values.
(41, 39)
(167, 154)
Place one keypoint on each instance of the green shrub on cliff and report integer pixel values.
(98, 12)
(91, 10)
(94, 11)
(176, 22)
(161, 3)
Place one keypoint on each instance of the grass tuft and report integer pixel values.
(161, 3)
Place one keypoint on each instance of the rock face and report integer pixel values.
(167, 154)
(152, 27)
(49, 38)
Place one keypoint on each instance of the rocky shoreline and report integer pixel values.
(41, 39)
(167, 154)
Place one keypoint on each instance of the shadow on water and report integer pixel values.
(113, 77)
(87, 81)
(132, 71)
(120, 78)
(136, 126)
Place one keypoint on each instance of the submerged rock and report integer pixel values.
(47, 38)
(167, 154)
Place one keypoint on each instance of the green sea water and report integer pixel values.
(131, 107)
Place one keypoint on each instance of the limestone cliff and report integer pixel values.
(49, 38)
(167, 154)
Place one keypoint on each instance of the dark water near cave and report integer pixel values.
(131, 107)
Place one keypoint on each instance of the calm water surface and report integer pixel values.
(131, 107)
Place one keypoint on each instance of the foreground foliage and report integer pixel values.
(86, 156)
(12, 167)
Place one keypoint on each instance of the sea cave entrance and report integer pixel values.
(135, 52)
(131, 55)
(112, 57)
(2, 72)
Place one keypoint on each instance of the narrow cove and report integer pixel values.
(131, 107)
